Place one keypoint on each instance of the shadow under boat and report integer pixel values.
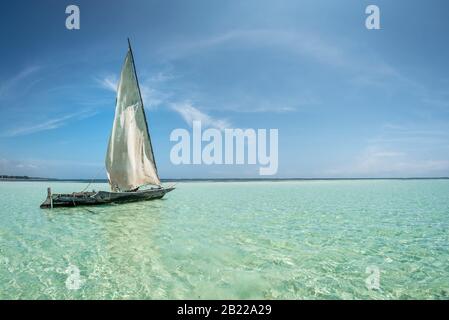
(101, 197)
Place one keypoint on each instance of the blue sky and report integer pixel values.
(348, 102)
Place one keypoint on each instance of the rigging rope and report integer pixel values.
(94, 178)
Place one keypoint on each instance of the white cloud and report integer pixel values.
(401, 150)
(51, 168)
(48, 124)
(189, 113)
(365, 70)
(265, 109)
(311, 46)
(257, 104)
(22, 166)
(17, 167)
(151, 97)
(12, 84)
(108, 82)
(424, 134)
(161, 76)
(375, 162)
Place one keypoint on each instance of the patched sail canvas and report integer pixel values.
(129, 160)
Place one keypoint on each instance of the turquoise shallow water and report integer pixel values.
(243, 240)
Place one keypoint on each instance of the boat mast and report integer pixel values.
(143, 108)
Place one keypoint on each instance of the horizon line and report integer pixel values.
(37, 179)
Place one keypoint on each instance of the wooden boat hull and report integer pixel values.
(101, 197)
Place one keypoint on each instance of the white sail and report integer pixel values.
(129, 160)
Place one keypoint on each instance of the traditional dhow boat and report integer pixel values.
(130, 162)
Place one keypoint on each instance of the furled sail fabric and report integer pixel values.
(129, 160)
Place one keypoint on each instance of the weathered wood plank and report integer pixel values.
(101, 197)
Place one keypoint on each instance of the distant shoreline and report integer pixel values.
(37, 179)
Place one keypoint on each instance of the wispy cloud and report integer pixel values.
(49, 124)
(296, 42)
(151, 97)
(426, 135)
(361, 70)
(375, 162)
(51, 168)
(267, 109)
(9, 86)
(256, 104)
(17, 167)
(190, 113)
(161, 76)
(108, 82)
(366, 71)
(441, 103)
(400, 150)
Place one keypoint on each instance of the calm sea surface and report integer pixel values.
(243, 240)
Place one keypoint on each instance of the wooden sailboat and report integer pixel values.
(130, 162)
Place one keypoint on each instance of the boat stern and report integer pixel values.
(48, 203)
